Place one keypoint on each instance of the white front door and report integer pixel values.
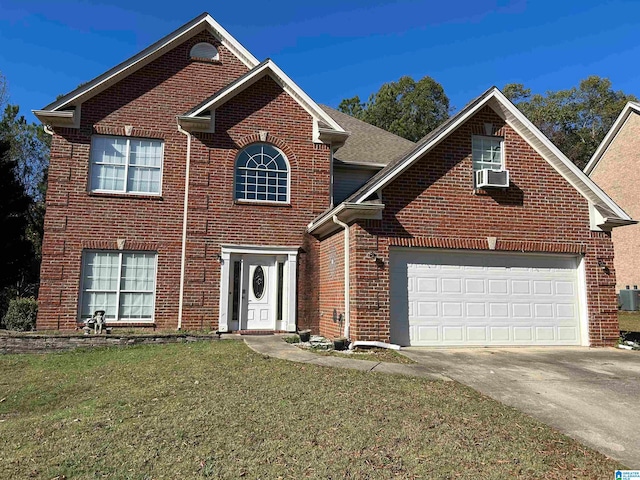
(258, 288)
(258, 292)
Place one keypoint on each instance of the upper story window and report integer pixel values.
(488, 152)
(204, 51)
(262, 174)
(126, 165)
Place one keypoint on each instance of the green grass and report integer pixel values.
(219, 410)
(629, 321)
(373, 355)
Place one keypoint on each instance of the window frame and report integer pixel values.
(119, 290)
(237, 199)
(214, 59)
(127, 165)
(491, 166)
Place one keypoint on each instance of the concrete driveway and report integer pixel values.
(592, 395)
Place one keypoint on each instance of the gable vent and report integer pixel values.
(204, 51)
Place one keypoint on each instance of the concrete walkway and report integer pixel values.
(274, 346)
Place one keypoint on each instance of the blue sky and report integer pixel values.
(336, 49)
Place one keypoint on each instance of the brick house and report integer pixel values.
(614, 167)
(193, 187)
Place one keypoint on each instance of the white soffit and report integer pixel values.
(146, 56)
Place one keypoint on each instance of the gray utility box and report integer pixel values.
(629, 300)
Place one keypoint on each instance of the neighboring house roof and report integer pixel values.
(146, 56)
(268, 67)
(495, 99)
(629, 108)
(367, 144)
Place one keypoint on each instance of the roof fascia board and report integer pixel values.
(611, 134)
(60, 118)
(226, 94)
(346, 212)
(554, 151)
(270, 68)
(417, 154)
(149, 54)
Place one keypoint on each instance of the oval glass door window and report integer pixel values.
(258, 282)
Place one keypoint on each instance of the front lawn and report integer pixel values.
(629, 321)
(219, 410)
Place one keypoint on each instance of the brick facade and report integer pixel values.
(331, 286)
(149, 100)
(433, 204)
(617, 173)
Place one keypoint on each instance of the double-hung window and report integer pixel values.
(126, 165)
(120, 283)
(488, 153)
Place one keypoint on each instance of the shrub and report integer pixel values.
(21, 314)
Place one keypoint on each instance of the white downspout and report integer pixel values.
(183, 257)
(347, 300)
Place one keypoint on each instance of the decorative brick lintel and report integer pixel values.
(481, 244)
(120, 131)
(112, 244)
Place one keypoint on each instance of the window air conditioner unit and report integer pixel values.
(492, 178)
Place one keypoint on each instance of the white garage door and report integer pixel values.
(441, 298)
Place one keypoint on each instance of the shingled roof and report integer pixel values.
(367, 144)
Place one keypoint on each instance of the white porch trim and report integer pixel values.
(290, 256)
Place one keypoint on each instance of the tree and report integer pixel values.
(407, 108)
(16, 251)
(23, 167)
(575, 120)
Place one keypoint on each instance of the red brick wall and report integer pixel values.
(331, 286)
(214, 217)
(149, 100)
(432, 204)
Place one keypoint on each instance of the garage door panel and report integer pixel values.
(484, 299)
(477, 334)
(452, 333)
(523, 334)
(475, 285)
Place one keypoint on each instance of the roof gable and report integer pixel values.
(146, 56)
(495, 99)
(325, 126)
(629, 108)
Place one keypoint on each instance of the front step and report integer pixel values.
(256, 332)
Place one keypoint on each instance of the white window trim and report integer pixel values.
(262, 202)
(502, 153)
(116, 320)
(126, 167)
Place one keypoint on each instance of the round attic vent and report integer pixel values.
(204, 51)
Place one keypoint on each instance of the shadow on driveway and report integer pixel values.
(592, 395)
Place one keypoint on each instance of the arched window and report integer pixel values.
(204, 51)
(262, 174)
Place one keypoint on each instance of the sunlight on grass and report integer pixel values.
(219, 410)
(629, 321)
